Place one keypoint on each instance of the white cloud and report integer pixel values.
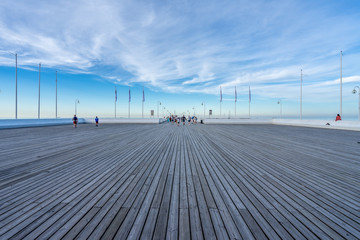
(184, 46)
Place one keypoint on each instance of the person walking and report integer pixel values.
(75, 121)
(97, 121)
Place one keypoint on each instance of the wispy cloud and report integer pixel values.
(185, 46)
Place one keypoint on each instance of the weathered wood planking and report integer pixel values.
(167, 181)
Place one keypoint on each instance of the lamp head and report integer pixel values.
(354, 91)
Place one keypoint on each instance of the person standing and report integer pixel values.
(97, 121)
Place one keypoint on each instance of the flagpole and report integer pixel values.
(220, 110)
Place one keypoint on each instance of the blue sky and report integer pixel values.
(181, 52)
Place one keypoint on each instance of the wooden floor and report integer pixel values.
(186, 182)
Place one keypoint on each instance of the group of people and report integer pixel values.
(75, 121)
(174, 119)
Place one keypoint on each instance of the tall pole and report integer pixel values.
(76, 102)
(235, 100)
(15, 54)
(341, 83)
(354, 92)
(301, 94)
(16, 86)
(115, 100)
(235, 109)
(249, 99)
(359, 102)
(56, 97)
(143, 100)
(204, 108)
(220, 110)
(39, 92)
(220, 100)
(129, 103)
(159, 103)
(280, 103)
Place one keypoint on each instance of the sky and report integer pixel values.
(180, 53)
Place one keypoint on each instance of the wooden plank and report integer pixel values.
(98, 226)
(167, 181)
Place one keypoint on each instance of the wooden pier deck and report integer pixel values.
(186, 182)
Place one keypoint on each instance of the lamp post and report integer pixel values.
(159, 103)
(56, 98)
(341, 54)
(301, 95)
(15, 54)
(354, 92)
(280, 103)
(76, 102)
(39, 92)
(115, 100)
(142, 106)
(129, 103)
(203, 104)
